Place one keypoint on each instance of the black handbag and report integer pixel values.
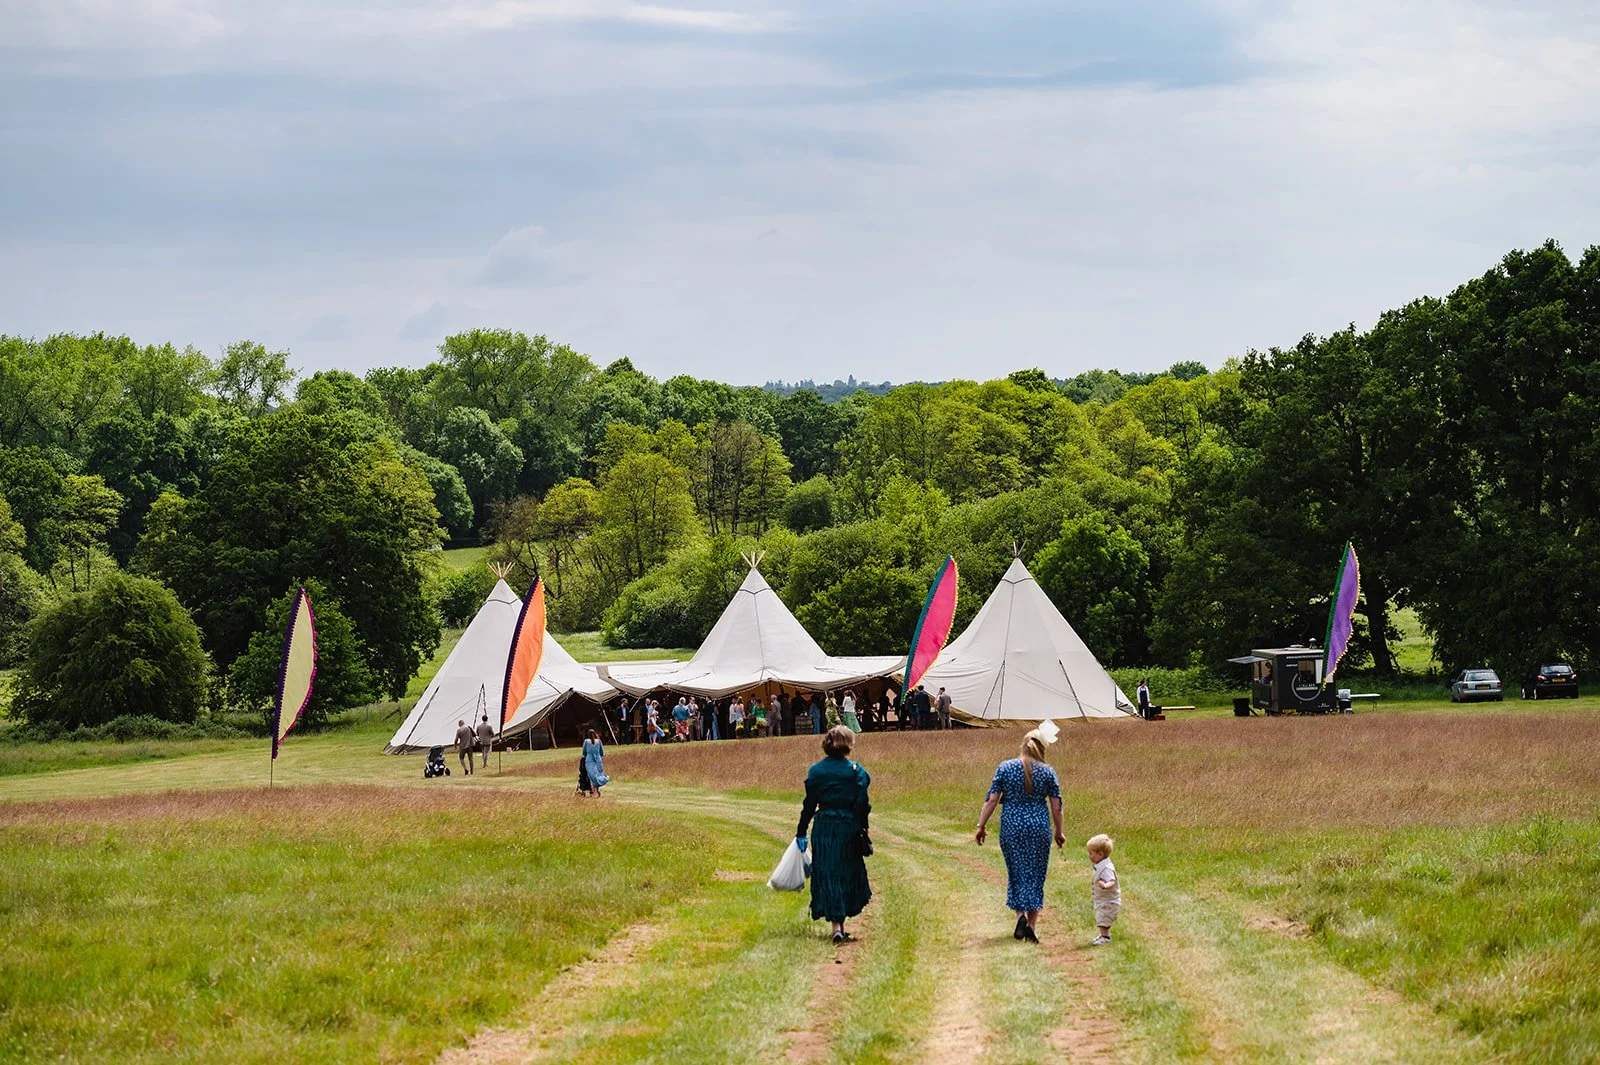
(863, 840)
(863, 843)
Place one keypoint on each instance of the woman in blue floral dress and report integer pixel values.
(1032, 797)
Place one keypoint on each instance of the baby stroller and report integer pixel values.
(435, 767)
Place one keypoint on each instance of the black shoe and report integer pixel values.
(1029, 935)
(1021, 929)
(838, 937)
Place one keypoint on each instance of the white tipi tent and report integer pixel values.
(1019, 660)
(474, 675)
(755, 641)
(471, 676)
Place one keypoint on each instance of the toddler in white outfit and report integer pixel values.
(1106, 892)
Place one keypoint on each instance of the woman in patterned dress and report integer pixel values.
(1032, 797)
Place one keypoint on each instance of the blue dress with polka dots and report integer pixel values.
(1025, 832)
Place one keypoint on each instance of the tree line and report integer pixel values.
(1176, 518)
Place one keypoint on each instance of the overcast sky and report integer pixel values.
(893, 190)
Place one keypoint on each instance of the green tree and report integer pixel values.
(739, 477)
(335, 391)
(33, 488)
(450, 494)
(124, 647)
(810, 431)
(139, 458)
(675, 604)
(645, 510)
(486, 459)
(870, 609)
(462, 594)
(1096, 573)
(88, 511)
(251, 379)
(1511, 571)
(302, 496)
(343, 679)
(809, 505)
(161, 379)
(20, 592)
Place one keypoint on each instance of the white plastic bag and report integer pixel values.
(792, 870)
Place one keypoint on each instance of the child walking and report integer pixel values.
(1106, 892)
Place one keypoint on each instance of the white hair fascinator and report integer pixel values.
(1048, 731)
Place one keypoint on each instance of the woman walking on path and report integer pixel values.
(1032, 797)
(592, 769)
(836, 795)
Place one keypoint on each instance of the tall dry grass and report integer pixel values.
(1348, 771)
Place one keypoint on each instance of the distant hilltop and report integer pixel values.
(830, 393)
(1103, 385)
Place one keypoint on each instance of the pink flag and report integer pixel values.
(933, 627)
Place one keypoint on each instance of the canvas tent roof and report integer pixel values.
(756, 641)
(477, 666)
(1019, 660)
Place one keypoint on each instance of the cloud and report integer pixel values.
(438, 321)
(811, 190)
(522, 258)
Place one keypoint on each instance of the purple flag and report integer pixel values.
(1342, 610)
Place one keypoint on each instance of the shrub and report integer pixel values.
(676, 604)
(124, 647)
(870, 610)
(461, 594)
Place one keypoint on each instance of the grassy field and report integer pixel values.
(1378, 887)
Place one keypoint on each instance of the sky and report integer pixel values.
(778, 190)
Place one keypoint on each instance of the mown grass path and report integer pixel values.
(741, 974)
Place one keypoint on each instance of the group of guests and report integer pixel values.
(688, 718)
(836, 809)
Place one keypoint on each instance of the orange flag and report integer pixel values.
(527, 648)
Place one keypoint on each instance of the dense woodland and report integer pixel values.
(1176, 518)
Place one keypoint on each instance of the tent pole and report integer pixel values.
(550, 723)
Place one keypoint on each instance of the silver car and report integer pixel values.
(1476, 685)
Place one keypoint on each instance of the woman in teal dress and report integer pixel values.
(836, 796)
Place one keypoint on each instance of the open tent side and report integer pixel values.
(1020, 660)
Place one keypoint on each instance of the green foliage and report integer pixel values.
(644, 510)
(676, 604)
(810, 430)
(33, 489)
(124, 647)
(88, 510)
(461, 594)
(343, 679)
(450, 496)
(302, 496)
(870, 609)
(251, 379)
(809, 506)
(340, 391)
(1096, 573)
(485, 457)
(20, 592)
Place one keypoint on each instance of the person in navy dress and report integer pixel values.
(1031, 795)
